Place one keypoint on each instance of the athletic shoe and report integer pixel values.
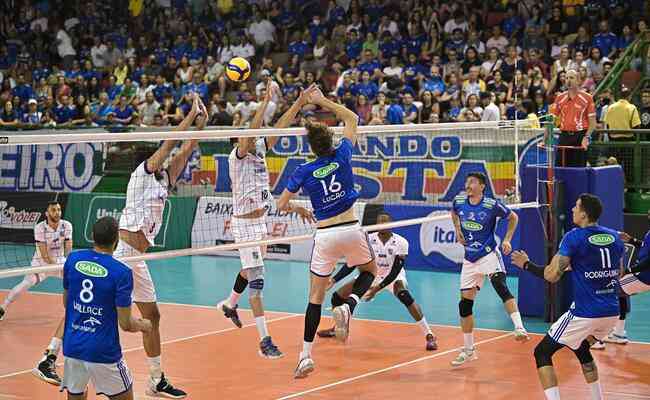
(269, 350)
(2, 313)
(464, 356)
(432, 343)
(342, 320)
(521, 335)
(327, 333)
(164, 389)
(46, 370)
(230, 313)
(304, 368)
(598, 345)
(616, 338)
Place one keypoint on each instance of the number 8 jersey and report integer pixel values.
(328, 181)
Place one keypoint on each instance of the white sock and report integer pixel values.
(55, 346)
(261, 327)
(424, 326)
(516, 320)
(596, 391)
(306, 349)
(155, 367)
(17, 290)
(468, 338)
(355, 297)
(552, 393)
(620, 328)
(233, 299)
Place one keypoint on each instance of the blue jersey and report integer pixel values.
(595, 253)
(96, 283)
(478, 224)
(644, 254)
(328, 181)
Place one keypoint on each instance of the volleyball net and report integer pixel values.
(411, 172)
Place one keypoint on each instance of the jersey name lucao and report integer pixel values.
(478, 224)
(54, 240)
(249, 179)
(328, 181)
(385, 253)
(96, 284)
(145, 202)
(595, 253)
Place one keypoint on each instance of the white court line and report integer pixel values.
(358, 319)
(392, 367)
(182, 339)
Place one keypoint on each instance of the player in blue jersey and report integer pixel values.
(97, 297)
(329, 182)
(594, 255)
(475, 219)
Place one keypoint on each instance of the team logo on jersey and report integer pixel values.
(602, 239)
(91, 269)
(92, 321)
(322, 172)
(472, 226)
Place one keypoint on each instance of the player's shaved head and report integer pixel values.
(106, 233)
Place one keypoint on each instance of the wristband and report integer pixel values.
(534, 269)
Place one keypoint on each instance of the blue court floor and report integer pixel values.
(203, 280)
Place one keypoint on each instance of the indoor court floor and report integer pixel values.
(210, 358)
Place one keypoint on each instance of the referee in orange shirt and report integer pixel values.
(577, 113)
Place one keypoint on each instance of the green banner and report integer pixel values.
(85, 208)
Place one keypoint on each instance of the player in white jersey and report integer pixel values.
(140, 222)
(53, 238)
(251, 199)
(390, 251)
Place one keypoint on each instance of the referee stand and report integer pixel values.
(557, 189)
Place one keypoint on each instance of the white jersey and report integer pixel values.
(385, 253)
(145, 202)
(54, 239)
(249, 179)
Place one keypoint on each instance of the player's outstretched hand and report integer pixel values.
(519, 258)
(306, 215)
(305, 95)
(506, 246)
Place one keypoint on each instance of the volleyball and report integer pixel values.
(238, 69)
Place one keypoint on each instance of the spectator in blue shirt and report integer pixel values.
(366, 87)
(40, 71)
(353, 46)
(410, 109)
(434, 82)
(395, 113)
(198, 86)
(160, 88)
(512, 24)
(298, 46)
(417, 38)
(605, 40)
(414, 72)
(626, 38)
(196, 53)
(123, 111)
(32, 116)
(389, 47)
(65, 112)
(23, 90)
(370, 64)
(102, 109)
(457, 42)
(113, 90)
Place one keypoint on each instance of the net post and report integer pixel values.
(517, 176)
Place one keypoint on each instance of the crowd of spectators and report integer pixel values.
(134, 62)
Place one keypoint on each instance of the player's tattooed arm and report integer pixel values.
(558, 266)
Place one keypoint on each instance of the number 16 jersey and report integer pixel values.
(329, 181)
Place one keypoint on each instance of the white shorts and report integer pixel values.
(473, 274)
(400, 277)
(248, 230)
(108, 379)
(631, 285)
(571, 331)
(144, 290)
(345, 241)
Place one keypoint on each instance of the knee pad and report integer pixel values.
(544, 352)
(255, 281)
(465, 307)
(405, 297)
(584, 354)
(498, 281)
(337, 300)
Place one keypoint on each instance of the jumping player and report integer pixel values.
(390, 251)
(97, 297)
(594, 254)
(329, 182)
(53, 238)
(251, 198)
(140, 222)
(475, 219)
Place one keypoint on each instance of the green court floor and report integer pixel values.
(204, 280)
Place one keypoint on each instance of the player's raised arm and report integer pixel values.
(179, 160)
(349, 118)
(551, 273)
(158, 158)
(247, 144)
(290, 115)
